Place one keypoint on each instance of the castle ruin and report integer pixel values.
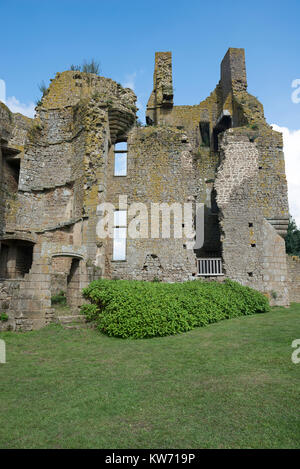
(84, 147)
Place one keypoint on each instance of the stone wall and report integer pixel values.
(233, 72)
(57, 168)
(246, 194)
(253, 251)
(293, 266)
(61, 156)
(162, 95)
(161, 169)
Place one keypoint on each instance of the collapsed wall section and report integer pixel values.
(61, 181)
(253, 251)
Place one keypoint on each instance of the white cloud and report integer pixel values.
(2, 91)
(291, 143)
(16, 106)
(130, 81)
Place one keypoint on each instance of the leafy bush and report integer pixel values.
(138, 309)
(59, 299)
(91, 311)
(3, 317)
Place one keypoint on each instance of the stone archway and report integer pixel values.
(67, 276)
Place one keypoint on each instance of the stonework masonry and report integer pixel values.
(57, 168)
(293, 263)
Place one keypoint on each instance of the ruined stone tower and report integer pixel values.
(84, 147)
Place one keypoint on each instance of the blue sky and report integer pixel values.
(40, 38)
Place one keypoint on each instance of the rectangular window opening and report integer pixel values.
(120, 235)
(120, 163)
(11, 171)
(205, 133)
(15, 259)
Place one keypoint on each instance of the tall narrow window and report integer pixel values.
(120, 232)
(205, 133)
(120, 159)
(11, 171)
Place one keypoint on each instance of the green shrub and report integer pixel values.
(43, 88)
(138, 309)
(3, 317)
(59, 299)
(91, 67)
(88, 67)
(75, 68)
(91, 311)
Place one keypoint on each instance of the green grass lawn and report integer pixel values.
(229, 385)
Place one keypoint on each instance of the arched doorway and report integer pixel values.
(66, 278)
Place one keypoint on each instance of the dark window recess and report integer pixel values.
(23, 260)
(253, 245)
(73, 270)
(167, 97)
(73, 283)
(15, 259)
(213, 201)
(250, 274)
(149, 121)
(250, 225)
(224, 124)
(205, 133)
(11, 172)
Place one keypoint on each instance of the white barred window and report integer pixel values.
(120, 235)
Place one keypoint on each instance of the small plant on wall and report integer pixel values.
(59, 299)
(3, 317)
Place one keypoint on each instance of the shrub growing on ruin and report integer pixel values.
(59, 299)
(75, 68)
(87, 67)
(137, 309)
(3, 317)
(44, 90)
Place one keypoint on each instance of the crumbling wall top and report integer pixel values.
(233, 71)
(69, 87)
(162, 94)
